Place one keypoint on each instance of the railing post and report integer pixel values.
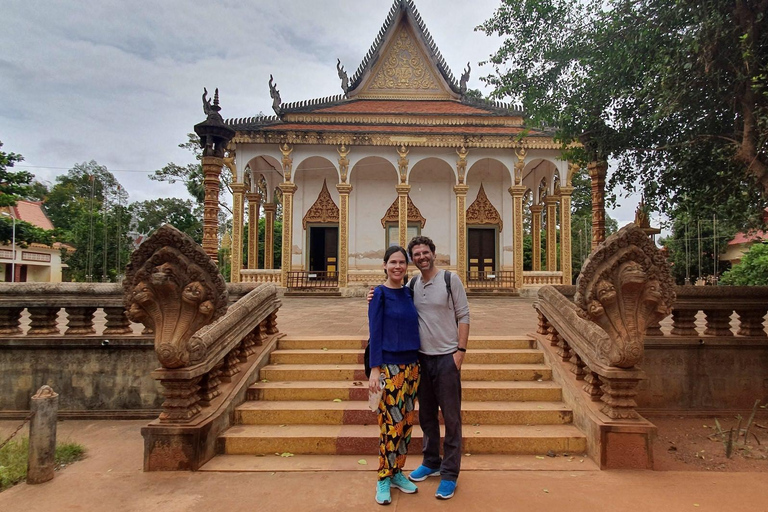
(42, 320)
(116, 321)
(684, 322)
(718, 322)
(42, 436)
(751, 322)
(80, 321)
(10, 320)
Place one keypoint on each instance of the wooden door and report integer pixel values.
(481, 247)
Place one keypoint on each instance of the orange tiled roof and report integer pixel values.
(32, 212)
(410, 129)
(404, 107)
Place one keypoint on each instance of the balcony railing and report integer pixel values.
(499, 280)
(312, 279)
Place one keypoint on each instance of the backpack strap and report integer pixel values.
(412, 283)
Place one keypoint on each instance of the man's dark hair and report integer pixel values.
(420, 240)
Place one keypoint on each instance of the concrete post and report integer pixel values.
(42, 436)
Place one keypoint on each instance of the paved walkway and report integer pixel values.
(111, 477)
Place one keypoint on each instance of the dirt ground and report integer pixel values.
(693, 444)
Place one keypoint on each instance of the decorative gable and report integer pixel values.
(404, 70)
(403, 62)
(481, 211)
(393, 214)
(324, 210)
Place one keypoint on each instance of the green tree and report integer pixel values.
(14, 185)
(695, 246)
(26, 233)
(183, 214)
(752, 270)
(675, 92)
(87, 206)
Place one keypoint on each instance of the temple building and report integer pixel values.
(402, 151)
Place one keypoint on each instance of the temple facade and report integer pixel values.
(403, 150)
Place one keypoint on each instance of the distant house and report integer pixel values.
(37, 262)
(741, 243)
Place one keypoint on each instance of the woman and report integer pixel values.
(394, 354)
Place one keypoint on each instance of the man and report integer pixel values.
(444, 331)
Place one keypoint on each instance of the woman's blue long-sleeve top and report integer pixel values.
(394, 327)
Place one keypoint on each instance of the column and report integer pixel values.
(269, 235)
(236, 258)
(565, 234)
(597, 172)
(214, 136)
(461, 230)
(402, 219)
(343, 265)
(536, 210)
(517, 192)
(551, 205)
(211, 169)
(254, 205)
(288, 190)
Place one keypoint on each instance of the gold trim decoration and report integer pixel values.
(393, 214)
(324, 210)
(402, 163)
(551, 230)
(565, 234)
(236, 257)
(287, 161)
(343, 151)
(519, 165)
(461, 229)
(404, 69)
(363, 138)
(403, 119)
(482, 211)
(254, 205)
(461, 163)
(269, 235)
(517, 192)
(344, 190)
(288, 189)
(536, 210)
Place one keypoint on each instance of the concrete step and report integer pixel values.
(356, 390)
(369, 462)
(352, 342)
(357, 413)
(351, 372)
(355, 356)
(364, 439)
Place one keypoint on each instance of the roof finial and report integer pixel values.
(275, 94)
(464, 79)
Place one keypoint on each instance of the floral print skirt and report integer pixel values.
(397, 412)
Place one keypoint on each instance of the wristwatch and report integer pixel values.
(461, 349)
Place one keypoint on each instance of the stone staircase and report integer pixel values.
(310, 410)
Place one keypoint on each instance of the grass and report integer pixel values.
(13, 460)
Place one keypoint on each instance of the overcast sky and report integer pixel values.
(120, 82)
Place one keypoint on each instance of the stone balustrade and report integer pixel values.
(78, 301)
(708, 311)
(542, 278)
(260, 276)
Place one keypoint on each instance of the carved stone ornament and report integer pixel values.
(624, 287)
(481, 211)
(324, 210)
(174, 288)
(404, 68)
(461, 163)
(393, 214)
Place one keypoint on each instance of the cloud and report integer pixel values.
(120, 82)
